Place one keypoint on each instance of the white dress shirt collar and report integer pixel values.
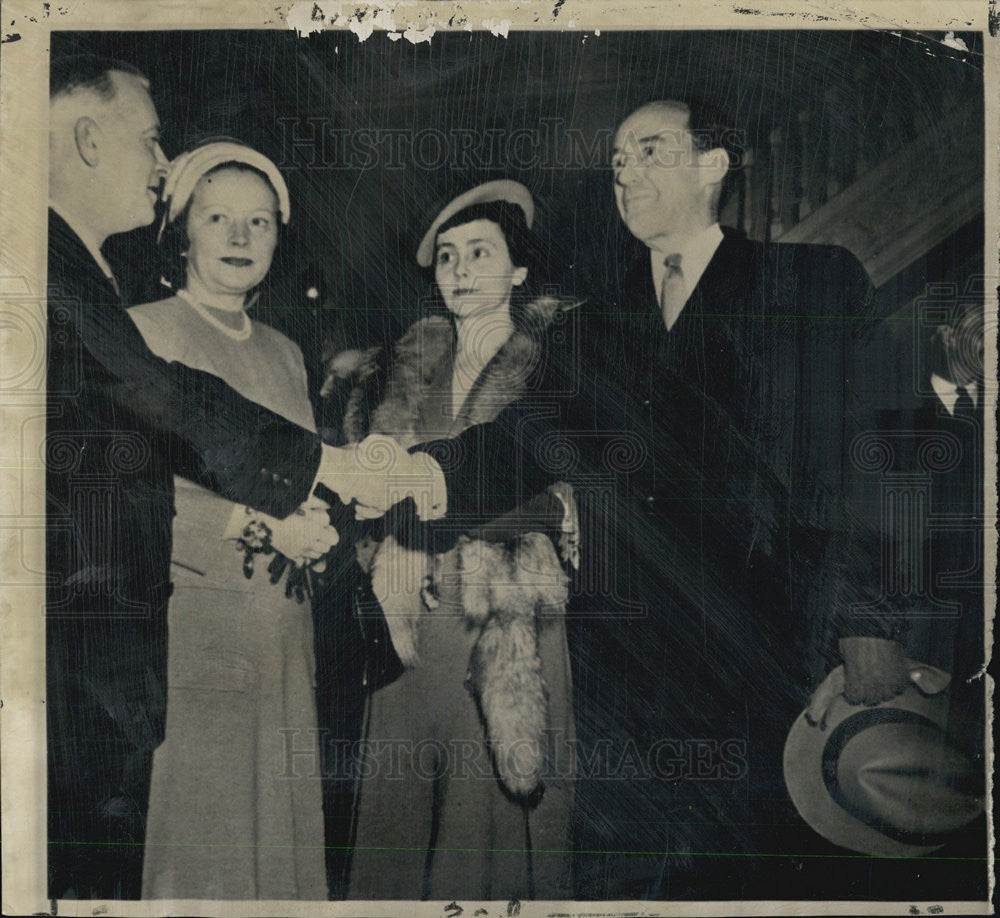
(949, 393)
(695, 254)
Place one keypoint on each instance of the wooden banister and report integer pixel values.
(909, 203)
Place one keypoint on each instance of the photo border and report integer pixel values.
(26, 27)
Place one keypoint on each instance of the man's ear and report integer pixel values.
(713, 165)
(86, 134)
(519, 276)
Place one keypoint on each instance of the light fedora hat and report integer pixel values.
(883, 780)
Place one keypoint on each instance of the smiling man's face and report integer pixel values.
(131, 160)
(659, 186)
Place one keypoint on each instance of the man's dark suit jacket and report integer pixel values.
(727, 588)
(936, 458)
(121, 422)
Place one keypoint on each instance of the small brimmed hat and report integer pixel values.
(883, 780)
(500, 190)
(189, 167)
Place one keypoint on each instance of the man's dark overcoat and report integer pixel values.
(726, 579)
(121, 422)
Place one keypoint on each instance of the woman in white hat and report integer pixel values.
(467, 776)
(233, 813)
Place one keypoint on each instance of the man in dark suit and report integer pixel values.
(924, 376)
(728, 362)
(121, 423)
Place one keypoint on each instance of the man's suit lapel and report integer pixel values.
(73, 270)
(720, 292)
(722, 289)
(721, 346)
(710, 332)
(640, 297)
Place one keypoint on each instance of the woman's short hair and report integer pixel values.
(174, 241)
(522, 245)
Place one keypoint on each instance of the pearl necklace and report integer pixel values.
(237, 334)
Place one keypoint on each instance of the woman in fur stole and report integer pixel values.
(467, 772)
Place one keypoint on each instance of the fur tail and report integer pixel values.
(505, 668)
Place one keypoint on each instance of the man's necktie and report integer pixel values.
(673, 294)
(965, 407)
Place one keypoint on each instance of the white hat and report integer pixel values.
(189, 167)
(500, 190)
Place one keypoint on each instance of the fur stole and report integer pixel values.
(506, 589)
(501, 586)
(421, 369)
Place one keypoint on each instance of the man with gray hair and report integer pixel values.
(121, 423)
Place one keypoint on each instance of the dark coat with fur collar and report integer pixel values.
(517, 572)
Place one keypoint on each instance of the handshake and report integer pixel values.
(377, 473)
(374, 475)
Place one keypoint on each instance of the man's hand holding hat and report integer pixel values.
(875, 670)
(885, 780)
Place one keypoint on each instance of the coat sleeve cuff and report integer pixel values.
(284, 476)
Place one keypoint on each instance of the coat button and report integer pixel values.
(275, 477)
(286, 482)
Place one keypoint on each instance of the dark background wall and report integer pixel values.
(374, 136)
